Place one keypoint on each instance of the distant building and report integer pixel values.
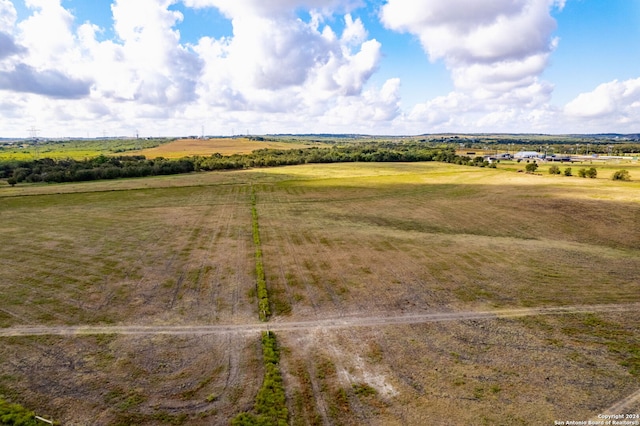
(560, 158)
(527, 154)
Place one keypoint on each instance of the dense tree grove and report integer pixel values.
(101, 167)
(107, 167)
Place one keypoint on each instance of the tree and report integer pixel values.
(592, 173)
(567, 171)
(554, 170)
(531, 167)
(621, 175)
(582, 172)
(12, 181)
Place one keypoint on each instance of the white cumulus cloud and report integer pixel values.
(491, 47)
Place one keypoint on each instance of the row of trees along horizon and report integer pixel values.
(113, 167)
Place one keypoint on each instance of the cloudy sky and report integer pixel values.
(180, 67)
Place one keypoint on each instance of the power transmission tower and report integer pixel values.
(33, 135)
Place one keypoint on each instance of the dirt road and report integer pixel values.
(281, 324)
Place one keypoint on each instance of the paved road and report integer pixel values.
(281, 324)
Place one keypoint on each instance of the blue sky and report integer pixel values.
(170, 67)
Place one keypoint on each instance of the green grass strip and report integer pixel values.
(264, 312)
(270, 407)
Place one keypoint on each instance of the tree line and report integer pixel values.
(113, 167)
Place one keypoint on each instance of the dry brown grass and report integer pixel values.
(205, 147)
(337, 240)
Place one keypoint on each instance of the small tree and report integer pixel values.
(554, 170)
(531, 167)
(592, 173)
(582, 172)
(12, 181)
(567, 171)
(621, 175)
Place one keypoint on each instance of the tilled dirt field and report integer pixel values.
(402, 294)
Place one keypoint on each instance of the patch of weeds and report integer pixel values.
(105, 339)
(172, 419)
(292, 280)
(478, 392)
(620, 342)
(459, 381)
(191, 392)
(325, 369)
(122, 400)
(234, 394)
(251, 293)
(363, 390)
(466, 294)
(5, 319)
(16, 414)
(303, 400)
(375, 353)
(339, 404)
(133, 399)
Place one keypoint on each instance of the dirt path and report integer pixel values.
(622, 407)
(279, 324)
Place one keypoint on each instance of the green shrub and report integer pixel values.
(270, 407)
(567, 171)
(621, 175)
(554, 170)
(531, 167)
(16, 415)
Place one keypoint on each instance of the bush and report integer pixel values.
(621, 175)
(591, 173)
(567, 171)
(531, 167)
(15, 414)
(554, 170)
(582, 173)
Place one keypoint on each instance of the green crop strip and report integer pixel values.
(270, 406)
(264, 311)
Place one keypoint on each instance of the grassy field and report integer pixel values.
(76, 149)
(151, 148)
(338, 241)
(225, 146)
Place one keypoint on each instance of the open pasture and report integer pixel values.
(225, 146)
(338, 241)
(76, 149)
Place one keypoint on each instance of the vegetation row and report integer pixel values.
(264, 311)
(270, 406)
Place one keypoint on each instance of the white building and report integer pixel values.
(527, 154)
